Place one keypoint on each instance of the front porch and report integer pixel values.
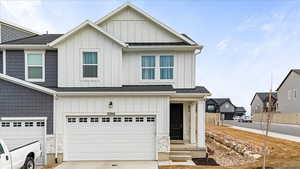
(187, 129)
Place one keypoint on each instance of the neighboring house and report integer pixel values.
(260, 101)
(122, 88)
(11, 31)
(288, 93)
(221, 105)
(240, 111)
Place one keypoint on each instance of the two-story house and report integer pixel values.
(11, 31)
(288, 98)
(259, 103)
(120, 88)
(223, 106)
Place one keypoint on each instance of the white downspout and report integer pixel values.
(4, 61)
(55, 122)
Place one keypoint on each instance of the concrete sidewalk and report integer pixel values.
(272, 134)
(108, 165)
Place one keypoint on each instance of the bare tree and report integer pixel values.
(268, 121)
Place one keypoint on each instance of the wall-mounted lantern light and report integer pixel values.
(110, 104)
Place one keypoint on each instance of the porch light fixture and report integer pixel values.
(110, 104)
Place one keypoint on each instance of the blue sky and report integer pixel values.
(245, 42)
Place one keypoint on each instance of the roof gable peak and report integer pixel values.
(146, 15)
(79, 27)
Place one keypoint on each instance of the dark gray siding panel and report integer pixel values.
(19, 101)
(1, 62)
(9, 33)
(50, 69)
(15, 66)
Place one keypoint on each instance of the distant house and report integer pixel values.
(221, 105)
(239, 111)
(288, 98)
(260, 101)
(10, 31)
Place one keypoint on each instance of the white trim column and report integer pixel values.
(4, 61)
(193, 123)
(201, 123)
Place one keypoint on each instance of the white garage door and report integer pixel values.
(110, 138)
(17, 133)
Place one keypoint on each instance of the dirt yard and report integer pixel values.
(284, 154)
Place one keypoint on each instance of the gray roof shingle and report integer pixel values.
(240, 109)
(34, 40)
(132, 88)
(220, 101)
(264, 96)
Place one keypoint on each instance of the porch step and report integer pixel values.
(180, 153)
(180, 157)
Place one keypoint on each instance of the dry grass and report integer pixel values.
(284, 154)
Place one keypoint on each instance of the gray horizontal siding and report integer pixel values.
(1, 62)
(9, 33)
(19, 101)
(15, 66)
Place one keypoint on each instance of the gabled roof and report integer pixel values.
(82, 25)
(221, 101)
(27, 84)
(264, 96)
(34, 40)
(140, 11)
(240, 109)
(18, 26)
(297, 71)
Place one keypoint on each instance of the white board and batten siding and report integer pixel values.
(130, 26)
(184, 69)
(70, 60)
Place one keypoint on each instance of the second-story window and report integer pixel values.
(148, 67)
(166, 64)
(35, 66)
(90, 64)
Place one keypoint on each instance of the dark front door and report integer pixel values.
(176, 121)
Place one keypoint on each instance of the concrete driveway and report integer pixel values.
(108, 165)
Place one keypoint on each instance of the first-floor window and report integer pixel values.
(90, 65)
(35, 66)
(210, 107)
(148, 67)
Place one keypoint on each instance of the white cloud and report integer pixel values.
(26, 13)
(223, 44)
(267, 27)
(271, 46)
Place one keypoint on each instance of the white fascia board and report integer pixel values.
(23, 118)
(101, 20)
(27, 84)
(19, 27)
(149, 48)
(12, 46)
(115, 93)
(82, 25)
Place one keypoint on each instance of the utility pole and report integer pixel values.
(270, 103)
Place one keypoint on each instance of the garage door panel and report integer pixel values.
(134, 140)
(25, 132)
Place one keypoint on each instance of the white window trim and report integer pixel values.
(157, 68)
(43, 66)
(98, 65)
